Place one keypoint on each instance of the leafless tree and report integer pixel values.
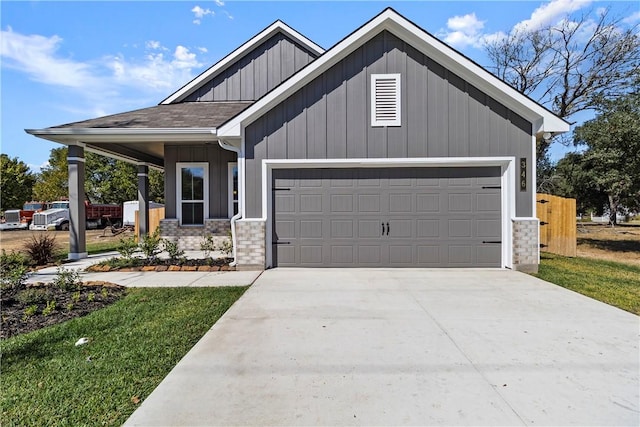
(570, 65)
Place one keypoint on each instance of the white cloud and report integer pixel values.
(203, 49)
(219, 3)
(154, 45)
(104, 84)
(463, 31)
(200, 13)
(550, 13)
(632, 19)
(36, 56)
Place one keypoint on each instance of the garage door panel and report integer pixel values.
(460, 228)
(427, 203)
(486, 254)
(461, 255)
(369, 254)
(400, 228)
(487, 202)
(400, 203)
(427, 228)
(428, 255)
(342, 203)
(401, 254)
(342, 228)
(311, 229)
(437, 217)
(285, 203)
(488, 228)
(311, 203)
(368, 203)
(369, 228)
(311, 254)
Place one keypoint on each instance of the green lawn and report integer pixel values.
(135, 342)
(610, 282)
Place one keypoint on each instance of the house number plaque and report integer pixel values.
(523, 174)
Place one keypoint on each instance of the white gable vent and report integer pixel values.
(385, 100)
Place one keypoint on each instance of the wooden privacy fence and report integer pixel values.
(155, 215)
(557, 217)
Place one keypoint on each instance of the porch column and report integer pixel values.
(77, 211)
(143, 200)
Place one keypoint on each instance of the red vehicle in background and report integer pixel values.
(21, 218)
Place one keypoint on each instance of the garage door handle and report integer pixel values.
(282, 243)
(388, 229)
(492, 241)
(383, 228)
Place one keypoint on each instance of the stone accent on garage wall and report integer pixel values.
(250, 240)
(526, 246)
(189, 238)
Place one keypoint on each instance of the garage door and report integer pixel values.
(386, 217)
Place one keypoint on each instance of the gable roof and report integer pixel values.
(236, 55)
(541, 118)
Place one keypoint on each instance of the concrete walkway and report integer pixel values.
(150, 279)
(406, 347)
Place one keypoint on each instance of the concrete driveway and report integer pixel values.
(406, 347)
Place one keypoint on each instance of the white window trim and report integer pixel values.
(373, 98)
(230, 167)
(179, 167)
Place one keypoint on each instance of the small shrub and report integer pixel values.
(128, 247)
(91, 296)
(172, 249)
(67, 280)
(75, 297)
(207, 245)
(69, 306)
(13, 273)
(226, 247)
(105, 293)
(150, 245)
(41, 248)
(50, 308)
(33, 296)
(30, 311)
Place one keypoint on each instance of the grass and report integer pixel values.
(611, 282)
(134, 343)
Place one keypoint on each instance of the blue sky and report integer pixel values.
(72, 60)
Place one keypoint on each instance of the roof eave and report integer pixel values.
(123, 135)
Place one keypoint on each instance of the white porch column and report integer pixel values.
(77, 211)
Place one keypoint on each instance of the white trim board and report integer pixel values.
(507, 197)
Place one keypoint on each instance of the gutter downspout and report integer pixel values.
(226, 146)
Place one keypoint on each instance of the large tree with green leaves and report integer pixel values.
(16, 182)
(106, 180)
(612, 157)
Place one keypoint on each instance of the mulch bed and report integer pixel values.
(89, 297)
(220, 264)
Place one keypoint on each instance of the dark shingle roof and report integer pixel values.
(183, 115)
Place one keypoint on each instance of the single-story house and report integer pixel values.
(390, 149)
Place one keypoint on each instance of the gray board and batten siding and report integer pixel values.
(442, 116)
(256, 73)
(218, 160)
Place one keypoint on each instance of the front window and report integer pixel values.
(193, 190)
(233, 189)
